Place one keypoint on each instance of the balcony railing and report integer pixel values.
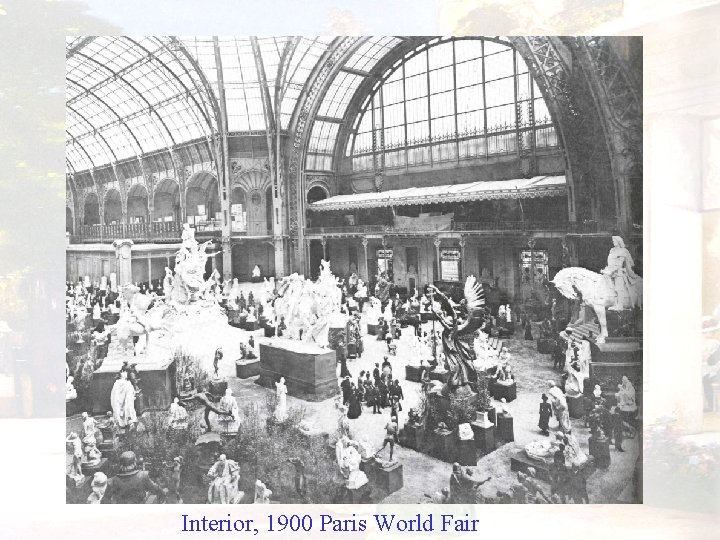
(156, 231)
(478, 226)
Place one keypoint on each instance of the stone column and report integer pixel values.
(227, 258)
(123, 258)
(324, 245)
(149, 263)
(462, 258)
(436, 242)
(279, 247)
(366, 277)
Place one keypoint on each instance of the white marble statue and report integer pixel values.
(619, 271)
(224, 477)
(626, 396)
(75, 448)
(229, 404)
(348, 459)
(178, 416)
(559, 407)
(92, 455)
(167, 283)
(256, 271)
(544, 449)
(308, 307)
(616, 288)
(89, 427)
(281, 405)
(70, 392)
(122, 400)
(262, 493)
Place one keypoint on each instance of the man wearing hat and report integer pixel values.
(131, 485)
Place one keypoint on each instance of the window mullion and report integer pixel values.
(484, 89)
(455, 108)
(429, 93)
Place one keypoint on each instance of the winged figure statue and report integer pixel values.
(456, 345)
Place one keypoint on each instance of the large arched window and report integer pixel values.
(458, 99)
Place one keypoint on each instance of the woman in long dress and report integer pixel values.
(354, 407)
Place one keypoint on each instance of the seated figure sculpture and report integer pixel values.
(224, 476)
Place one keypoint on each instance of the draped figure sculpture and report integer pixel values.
(623, 279)
(458, 351)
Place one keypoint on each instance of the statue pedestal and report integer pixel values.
(576, 405)
(466, 453)
(600, 450)
(372, 329)
(309, 371)
(440, 375)
(519, 461)
(389, 479)
(623, 323)
(444, 445)
(505, 428)
(617, 349)
(412, 373)
(90, 470)
(75, 494)
(507, 391)
(157, 384)
(413, 436)
(484, 436)
(245, 369)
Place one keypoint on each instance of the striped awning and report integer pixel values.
(521, 188)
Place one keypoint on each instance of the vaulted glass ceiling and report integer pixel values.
(128, 97)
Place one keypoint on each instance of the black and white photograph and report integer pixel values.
(353, 269)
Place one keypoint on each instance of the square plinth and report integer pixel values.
(576, 406)
(600, 450)
(245, 369)
(372, 329)
(309, 371)
(507, 391)
(617, 350)
(157, 384)
(442, 376)
(389, 479)
(412, 373)
(444, 445)
(519, 461)
(484, 436)
(90, 470)
(413, 436)
(505, 428)
(466, 453)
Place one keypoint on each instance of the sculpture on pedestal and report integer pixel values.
(70, 392)
(98, 486)
(307, 307)
(559, 407)
(617, 287)
(178, 416)
(224, 477)
(138, 320)
(458, 353)
(281, 405)
(75, 448)
(626, 396)
(348, 459)
(229, 403)
(262, 493)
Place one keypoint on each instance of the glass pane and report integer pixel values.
(469, 73)
(441, 55)
(499, 65)
(469, 99)
(442, 104)
(500, 92)
(417, 110)
(416, 86)
(467, 49)
(441, 80)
